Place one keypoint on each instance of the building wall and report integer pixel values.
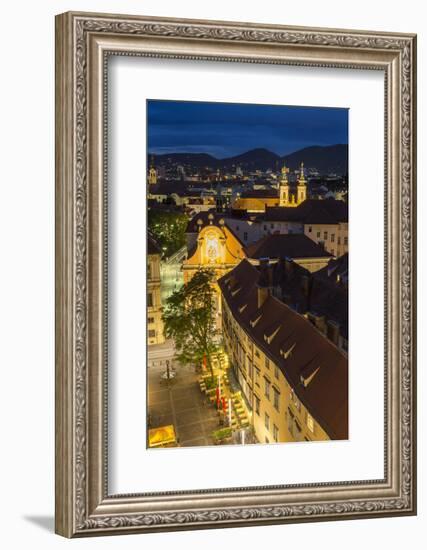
(154, 301)
(276, 413)
(334, 237)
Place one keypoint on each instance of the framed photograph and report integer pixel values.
(235, 274)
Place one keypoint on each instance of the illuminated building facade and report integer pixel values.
(293, 379)
(154, 301)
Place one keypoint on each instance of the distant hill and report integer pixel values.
(332, 158)
(326, 159)
(255, 159)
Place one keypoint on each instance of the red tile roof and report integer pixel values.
(326, 395)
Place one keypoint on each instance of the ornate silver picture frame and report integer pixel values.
(84, 42)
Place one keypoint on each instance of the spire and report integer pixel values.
(284, 177)
(302, 186)
(152, 173)
(301, 179)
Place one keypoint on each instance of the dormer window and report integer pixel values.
(269, 339)
(255, 321)
(306, 379)
(286, 354)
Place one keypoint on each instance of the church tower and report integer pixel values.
(152, 174)
(284, 187)
(302, 186)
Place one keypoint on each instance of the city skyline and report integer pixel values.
(227, 129)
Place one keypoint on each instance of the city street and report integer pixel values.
(181, 403)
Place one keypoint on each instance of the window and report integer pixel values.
(150, 299)
(332, 237)
(275, 433)
(267, 363)
(256, 377)
(237, 228)
(276, 399)
(295, 400)
(290, 420)
(339, 240)
(310, 423)
(266, 440)
(257, 402)
(151, 334)
(250, 370)
(318, 234)
(276, 371)
(149, 271)
(272, 225)
(325, 236)
(150, 320)
(309, 229)
(267, 421)
(267, 388)
(256, 353)
(346, 241)
(245, 236)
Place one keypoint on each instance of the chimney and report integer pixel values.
(264, 283)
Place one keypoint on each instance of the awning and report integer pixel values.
(164, 435)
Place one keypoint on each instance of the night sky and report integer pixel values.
(228, 129)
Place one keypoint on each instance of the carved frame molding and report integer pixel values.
(83, 44)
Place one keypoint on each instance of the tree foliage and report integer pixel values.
(168, 228)
(189, 319)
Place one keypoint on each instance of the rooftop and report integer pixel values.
(325, 395)
(327, 211)
(278, 246)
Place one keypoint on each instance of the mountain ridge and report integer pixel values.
(324, 158)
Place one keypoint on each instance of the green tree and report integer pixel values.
(168, 229)
(189, 318)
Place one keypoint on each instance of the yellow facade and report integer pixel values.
(286, 198)
(152, 176)
(154, 302)
(333, 237)
(276, 414)
(218, 249)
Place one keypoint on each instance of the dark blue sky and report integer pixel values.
(228, 129)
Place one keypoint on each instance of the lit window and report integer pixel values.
(310, 423)
(276, 399)
(257, 402)
(267, 388)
